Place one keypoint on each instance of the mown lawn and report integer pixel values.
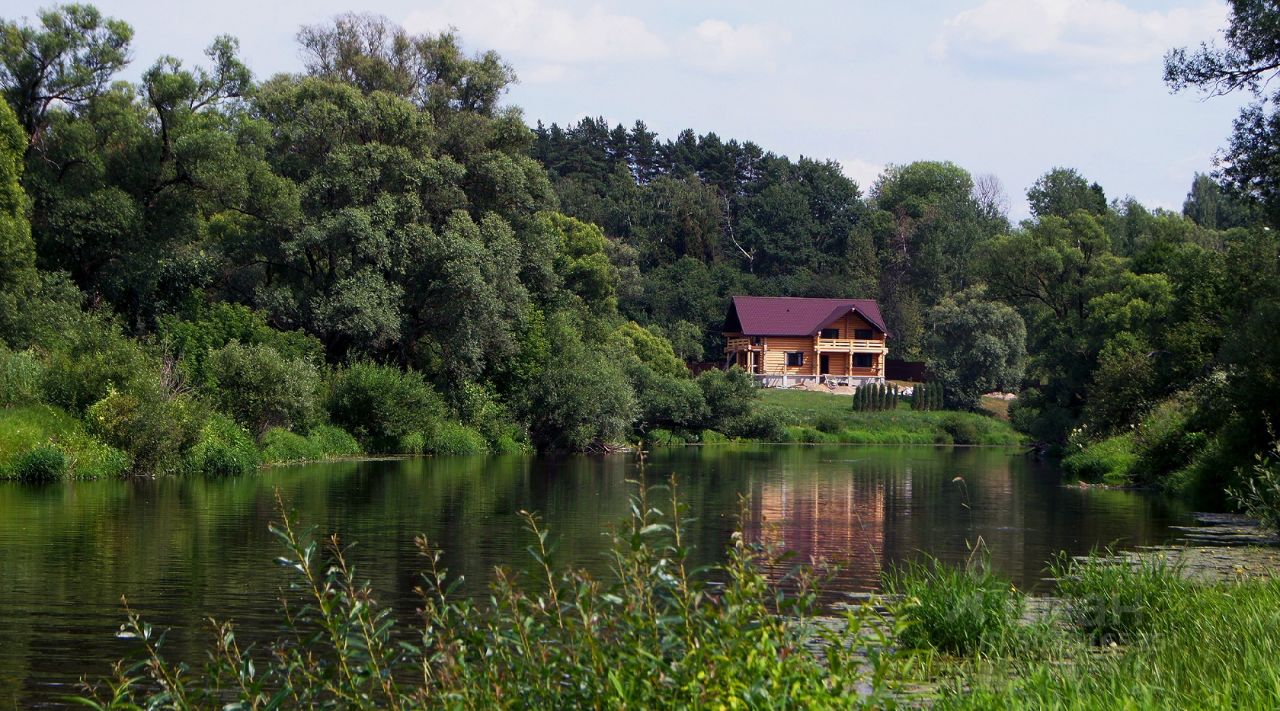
(825, 417)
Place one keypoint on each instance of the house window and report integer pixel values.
(795, 359)
(830, 333)
(863, 334)
(862, 360)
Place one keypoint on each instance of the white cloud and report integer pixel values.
(535, 29)
(717, 46)
(862, 172)
(1073, 34)
(544, 74)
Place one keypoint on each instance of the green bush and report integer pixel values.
(21, 375)
(262, 389)
(1163, 441)
(713, 437)
(829, 423)
(412, 443)
(334, 441)
(101, 361)
(223, 448)
(581, 399)
(1259, 495)
(203, 330)
(730, 397)
(763, 425)
(961, 428)
(381, 404)
(452, 438)
(964, 610)
(88, 458)
(658, 437)
(1115, 600)
(1109, 460)
(481, 408)
(24, 428)
(806, 435)
(509, 445)
(155, 425)
(43, 462)
(280, 446)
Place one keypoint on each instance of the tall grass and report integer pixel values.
(40, 442)
(1114, 599)
(654, 633)
(962, 610)
(1214, 649)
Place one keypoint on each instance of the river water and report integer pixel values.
(184, 549)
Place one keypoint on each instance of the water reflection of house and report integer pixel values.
(839, 520)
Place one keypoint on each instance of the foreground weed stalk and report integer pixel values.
(654, 633)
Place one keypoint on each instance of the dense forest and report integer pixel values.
(378, 254)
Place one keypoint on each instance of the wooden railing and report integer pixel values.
(737, 344)
(848, 344)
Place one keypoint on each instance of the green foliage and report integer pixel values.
(155, 424)
(24, 429)
(737, 642)
(1063, 191)
(963, 610)
(412, 443)
(974, 346)
(69, 57)
(262, 389)
(829, 423)
(447, 437)
(582, 398)
(192, 340)
(1110, 461)
(223, 448)
(876, 397)
(712, 437)
(43, 462)
(21, 375)
(1118, 599)
(1214, 649)
(659, 437)
(17, 251)
(98, 360)
(730, 397)
(1259, 496)
(927, 396)
(280, 446)
(961, 429)
(804, 410)
(382, 404)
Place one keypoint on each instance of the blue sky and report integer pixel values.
(1003, 87)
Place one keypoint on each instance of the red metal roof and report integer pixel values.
(794, 316)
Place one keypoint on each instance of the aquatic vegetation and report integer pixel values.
(653, 633)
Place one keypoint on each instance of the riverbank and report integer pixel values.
(800, 416)
(45, 443)
(1122, 632)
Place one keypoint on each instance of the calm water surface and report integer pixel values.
(186, 549)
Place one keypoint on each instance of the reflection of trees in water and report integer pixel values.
(185, 548)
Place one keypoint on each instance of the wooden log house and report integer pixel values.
(787, 340)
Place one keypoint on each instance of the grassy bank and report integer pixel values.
(1126, 635)
(826, 418)
(657, 633)
(42, 442)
